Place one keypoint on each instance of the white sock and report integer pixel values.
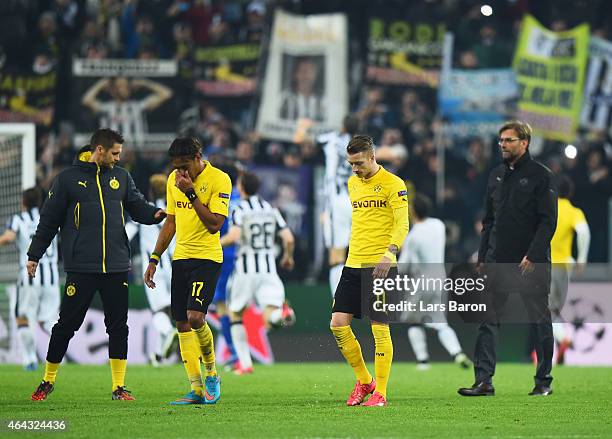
(241, 344)
(447, 337)
(28, 345)
(275, 316)
(163, 326)
(418, 341)
(559, 331)
(335, 273)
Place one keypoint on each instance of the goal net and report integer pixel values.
(17, 173)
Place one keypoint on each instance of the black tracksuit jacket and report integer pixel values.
(521, 213)
(88, 204)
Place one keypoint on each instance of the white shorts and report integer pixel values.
(265, 288)
(559, 283)
(337, 226)
(159, 298)
(38, 303)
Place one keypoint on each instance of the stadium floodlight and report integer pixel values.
(486, 10)
(571, 152)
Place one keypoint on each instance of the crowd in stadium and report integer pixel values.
(404, 123)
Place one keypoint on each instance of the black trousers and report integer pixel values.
(76, 299)
(538, 313)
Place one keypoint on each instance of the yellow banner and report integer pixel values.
(550, 68)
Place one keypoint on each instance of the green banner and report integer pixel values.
(550, 68)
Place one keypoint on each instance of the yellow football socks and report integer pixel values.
(51, 372)
(190, 353)
(207, 346)
(351, 350)
(118, 372)
(382, 357)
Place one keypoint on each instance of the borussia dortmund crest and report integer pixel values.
(377, 188)
(71, 290)
(114, 183)
(203, 188)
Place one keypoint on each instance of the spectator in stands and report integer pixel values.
(490, 51)
(468, 60)
(183, 42)
(309, 152)
(220, 32)
(392, 152)
(68, 14)
(198, 14)
(14, 32)
(373, 112)
(139, 34)
(252, 32)
(412, 119)
(92, 43)
(107, 15)
(291, 158)
(46, 40)
(245, 152)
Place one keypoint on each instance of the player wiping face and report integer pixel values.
(187, 170)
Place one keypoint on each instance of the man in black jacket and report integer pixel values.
(87, 203)
(514, 255)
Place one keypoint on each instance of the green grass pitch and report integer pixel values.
(308, 400)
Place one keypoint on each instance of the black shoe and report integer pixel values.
(478, 389)
(541, 390)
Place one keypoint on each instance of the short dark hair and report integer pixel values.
(185, 147)
(523, 129)
(350, 124)
(421, 204)
(250, 183)
(360, 143)
(565, 186)
(31, 198)
(106, 138)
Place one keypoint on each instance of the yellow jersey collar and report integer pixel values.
(376, 174)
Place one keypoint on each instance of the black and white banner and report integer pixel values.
(135, 97)
(597, 107)
(306, 76)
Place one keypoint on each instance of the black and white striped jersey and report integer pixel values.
(337, 168)
(24, 225)
(127, 117)
(147, 234)
(259, 223)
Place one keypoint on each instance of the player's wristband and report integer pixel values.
(191, 195)
(154, 258)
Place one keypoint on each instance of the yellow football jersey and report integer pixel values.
(373, 201)
(561, 244)
(193, 240)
